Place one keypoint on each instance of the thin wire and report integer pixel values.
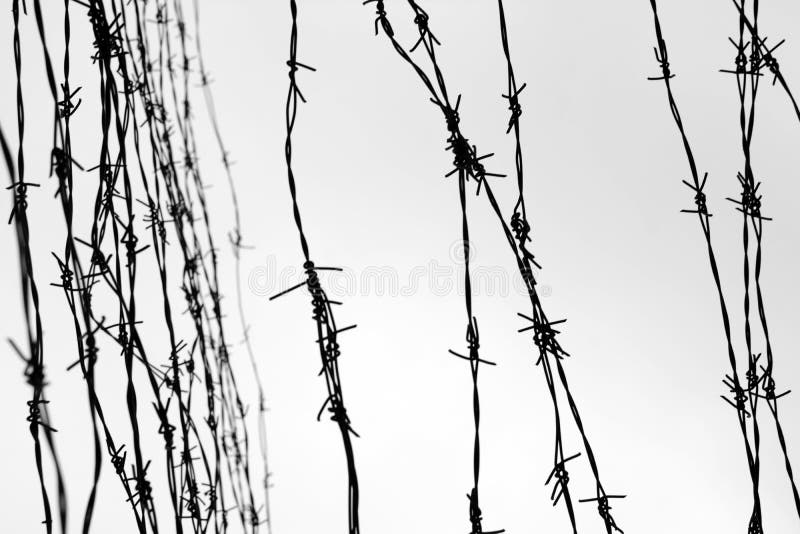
(34, 370)
(327, 330)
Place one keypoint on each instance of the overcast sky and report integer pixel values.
(604, 167)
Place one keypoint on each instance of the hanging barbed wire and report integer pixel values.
(33, 356)
(327, 330)
(517, 234)
(237, 246)
(126, 72)
(145, 175)
(759, 379)
(697, 185)
(764, 54)
(474, 359)
(761, 57)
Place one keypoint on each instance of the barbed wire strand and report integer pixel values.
(327, 330)
(34, 361)
(237, 245)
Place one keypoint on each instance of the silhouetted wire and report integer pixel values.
(180, 210)
(765, 55)
(473, 344)
(701, 209)
(465, 163)
(188, 484)
(240, 435)
(34, 361)
(187, 481)
(62, 167)
(195, 271)
(761, 57)
(327, 330)
(197, 263)
(75, 283)
(189, 499)
(517, 235)
(119, 274)
(109, 47)
(522, 228)
(746, 124)
(749, 204)
(236, 240)
(542, 327)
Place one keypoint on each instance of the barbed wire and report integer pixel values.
(125, 72)
(517, 235)
(322, 307)
(148, 144)
(38, 418)
(237, 245)
(758, 384)
(761, 57)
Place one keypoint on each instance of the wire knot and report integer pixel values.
(118, 459)
(514, 106)
(65, 106)
(663, 62)
(108, 41)
(740, 395)
(381, 19)
(20, 197)
(520, 227)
